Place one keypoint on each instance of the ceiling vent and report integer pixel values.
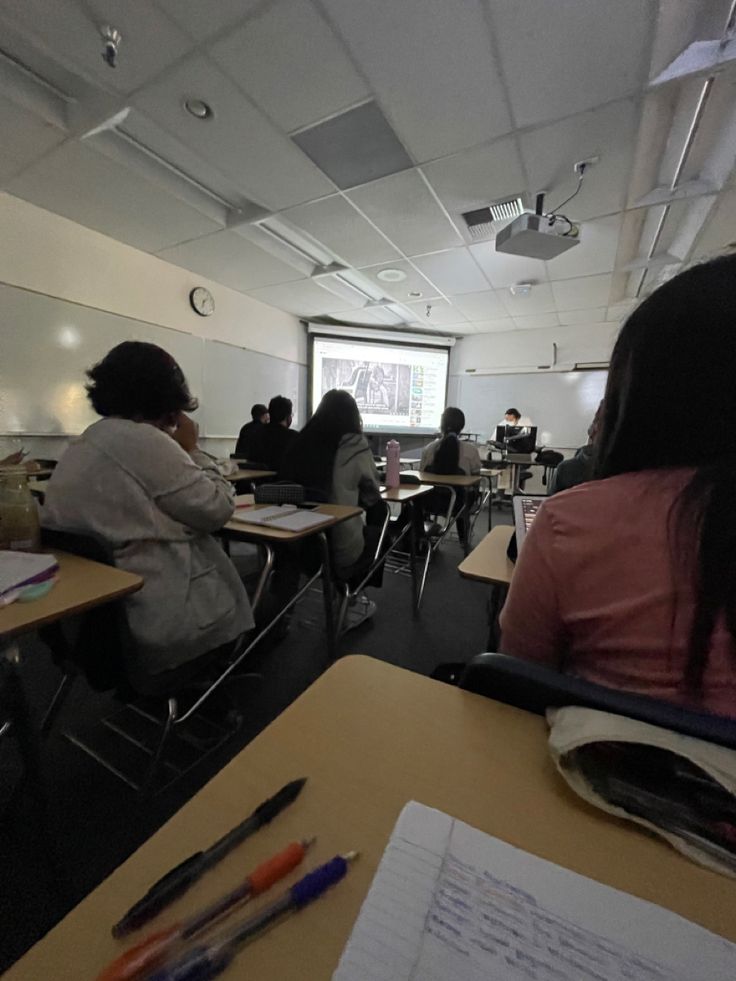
(480, 221)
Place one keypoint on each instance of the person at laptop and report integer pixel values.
(258, 417)
(270, 442)
(630, 580)
(578, 469)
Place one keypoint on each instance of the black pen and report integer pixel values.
(176, 882)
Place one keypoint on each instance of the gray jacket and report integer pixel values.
(354, 482)
(133, 486)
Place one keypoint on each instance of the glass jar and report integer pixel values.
(19, 525)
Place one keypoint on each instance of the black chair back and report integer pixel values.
(97, 643)
(536, 688)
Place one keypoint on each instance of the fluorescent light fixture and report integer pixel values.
(290, 238)
(521, 289)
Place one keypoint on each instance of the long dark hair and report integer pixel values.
(447, 455)
(675, 362)
(311, 457)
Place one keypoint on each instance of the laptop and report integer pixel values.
(525, 509)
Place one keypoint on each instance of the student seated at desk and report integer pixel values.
(270, 442)
(579, 468)
(137, 480)
(331, 457)
(630, 580)
(258, 417)
(468, 457)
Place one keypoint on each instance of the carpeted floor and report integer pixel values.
(95, 821)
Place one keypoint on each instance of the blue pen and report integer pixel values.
(202, 962)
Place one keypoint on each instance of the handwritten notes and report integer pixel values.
(450, 902)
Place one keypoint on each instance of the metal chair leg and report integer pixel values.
(57, 702)
(173, 709)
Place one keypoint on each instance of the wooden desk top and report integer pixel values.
(81, 585)
(250, 475)
(447, 479)
(267, 533)
(406, 492)
(371, 737)
(490, 471)
(488, 561)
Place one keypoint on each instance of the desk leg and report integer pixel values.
(328, 596)
(266, 571)
(415, 597)
(495, 605)
(490, 503)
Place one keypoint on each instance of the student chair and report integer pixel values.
(98, 645)
(535, 688)
(349, 590)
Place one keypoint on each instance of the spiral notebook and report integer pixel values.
(284, 517)
(450, 902)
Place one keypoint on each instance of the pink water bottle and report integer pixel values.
(393, 451)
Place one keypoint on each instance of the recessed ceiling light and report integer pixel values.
(391, 275)
(521, 289)
(415, 294)
(198, 108)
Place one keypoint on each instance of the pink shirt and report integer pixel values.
(599, 593)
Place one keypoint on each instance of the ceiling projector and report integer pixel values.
(538, 236)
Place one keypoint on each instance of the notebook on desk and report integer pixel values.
(285, 517)
(450, 902)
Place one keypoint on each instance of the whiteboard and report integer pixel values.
(560, 404)
(235, 378)
(47, 344)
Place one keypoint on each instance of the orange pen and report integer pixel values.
(158, 947)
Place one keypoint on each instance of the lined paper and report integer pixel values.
(450, 903)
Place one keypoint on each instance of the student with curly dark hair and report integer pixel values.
(138, 480)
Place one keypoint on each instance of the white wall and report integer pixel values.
(53, 256)
(48, 254)
(529, 348)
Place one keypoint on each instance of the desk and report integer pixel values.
(82, 584)
(250, 475)
(371, 737)
(268, 537)
(488, 473)
(447, 479)
(407, 495)
(489, 563)
(454, 482)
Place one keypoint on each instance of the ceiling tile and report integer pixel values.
(230, 259)
(403, 208)
(304, 299)
(720, 229)
(335, 223)
(477, 177)
(550, 152)
(354, 147)
(619, 311)
(543, 86)
(290, 40)
(595, 254)
(580, 294)
(88, 188)
(31, 138)
(204, 18)
(536, 321)
(569, 318)
(454, 271)
(481, 306)
(70, 29)
(238, 140)
(540, 300)
(441, 313)
(413, 282)
(497, 326)
(502, 269)
(430, 64)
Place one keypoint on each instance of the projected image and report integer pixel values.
(398, 387)
(377, 386)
